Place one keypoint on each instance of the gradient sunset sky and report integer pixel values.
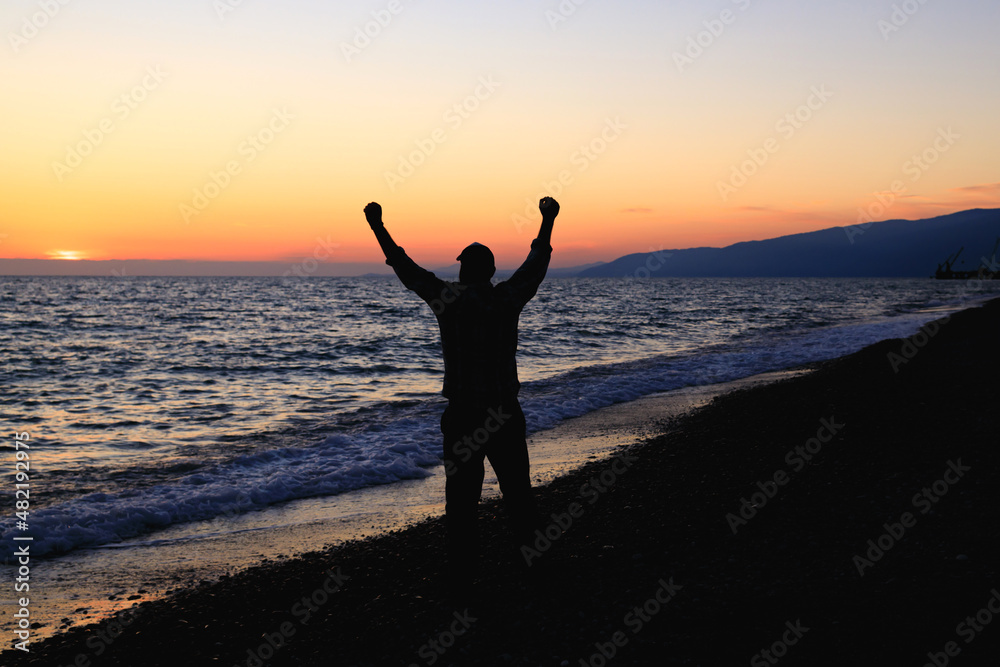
(258, 130)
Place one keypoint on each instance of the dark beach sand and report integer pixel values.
(665, 518)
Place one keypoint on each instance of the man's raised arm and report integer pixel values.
(373, 214)
(549, 208)
(423, 282)
(531, 273)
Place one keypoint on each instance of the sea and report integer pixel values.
(154, 404)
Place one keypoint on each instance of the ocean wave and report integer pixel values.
(397, 440)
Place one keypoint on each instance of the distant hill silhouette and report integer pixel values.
(893, 248)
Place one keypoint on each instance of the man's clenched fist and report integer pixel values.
(549, 208)
(373, 213)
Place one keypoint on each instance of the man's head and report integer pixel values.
(477, 264)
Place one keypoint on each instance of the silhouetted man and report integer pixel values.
(478, 322)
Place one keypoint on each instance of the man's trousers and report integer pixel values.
(474, 431)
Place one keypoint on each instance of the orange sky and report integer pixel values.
(260, 133)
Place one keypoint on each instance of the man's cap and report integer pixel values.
(477, 252)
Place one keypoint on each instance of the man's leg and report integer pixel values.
(463, 461)
(507, 450)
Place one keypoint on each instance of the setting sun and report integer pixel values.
(65, 254)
